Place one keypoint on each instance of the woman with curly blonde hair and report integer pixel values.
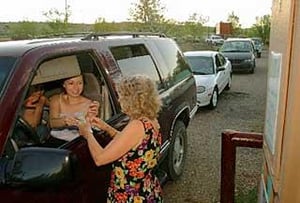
(134, 151)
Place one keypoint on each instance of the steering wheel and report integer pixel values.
(24, 134)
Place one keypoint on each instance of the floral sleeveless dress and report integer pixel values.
(132, 178)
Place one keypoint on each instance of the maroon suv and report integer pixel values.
(33, 170)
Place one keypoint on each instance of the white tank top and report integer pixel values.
(69, 133)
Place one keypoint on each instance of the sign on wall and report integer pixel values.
(273, 93)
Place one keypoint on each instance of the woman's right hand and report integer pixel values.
(97, 122)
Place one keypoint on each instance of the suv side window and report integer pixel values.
(135, 59)
(178, 69)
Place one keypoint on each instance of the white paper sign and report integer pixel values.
(273, 90)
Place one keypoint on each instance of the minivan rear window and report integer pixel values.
(6, 66)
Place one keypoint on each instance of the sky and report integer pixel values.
(87, 11)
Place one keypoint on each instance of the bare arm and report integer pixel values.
(125, 140)
(104, 126)
(55, 119)
(34, 109)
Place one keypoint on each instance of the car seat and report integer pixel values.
(96, 90)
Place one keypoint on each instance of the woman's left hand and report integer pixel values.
(71, 121)
(93, 109)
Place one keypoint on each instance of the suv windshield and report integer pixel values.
(236, 46)
(6, 64)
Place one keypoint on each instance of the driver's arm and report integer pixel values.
(33, 111)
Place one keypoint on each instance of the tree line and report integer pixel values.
(145, 16)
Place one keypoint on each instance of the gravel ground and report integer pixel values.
(241, 108)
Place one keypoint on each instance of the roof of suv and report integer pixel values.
(19, 47)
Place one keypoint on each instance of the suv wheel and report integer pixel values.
(177, 151)
(214, 99)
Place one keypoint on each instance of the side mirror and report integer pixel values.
(40, 167)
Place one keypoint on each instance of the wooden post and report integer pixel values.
(230, 140)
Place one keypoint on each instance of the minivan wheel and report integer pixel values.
(177, 151)
(214, 99)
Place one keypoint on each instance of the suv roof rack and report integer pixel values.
(64, 35)
(95, 36)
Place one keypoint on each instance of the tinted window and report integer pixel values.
(178, 68)
(6, 64)
(135, 59)
(218, 63)
(221, 59)
(201, 64)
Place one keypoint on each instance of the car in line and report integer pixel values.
(213, 74)
(258, 45)
(33, 170)
(241, 53)
(215, 40)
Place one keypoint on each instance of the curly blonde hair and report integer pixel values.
(139, 97)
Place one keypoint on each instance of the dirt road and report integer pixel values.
(241, 108)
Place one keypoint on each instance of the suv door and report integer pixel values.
(86, 182)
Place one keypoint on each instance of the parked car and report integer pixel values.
(214, 40)
(241, 53)
(258, 45)
(213, 74)
(31, 170)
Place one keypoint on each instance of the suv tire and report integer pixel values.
(177, 152)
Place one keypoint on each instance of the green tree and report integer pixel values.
(235, 22)
(149, 13)
(262, 27)
(102, 26)
(23, 30)
(58, 20)
(194, 25)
